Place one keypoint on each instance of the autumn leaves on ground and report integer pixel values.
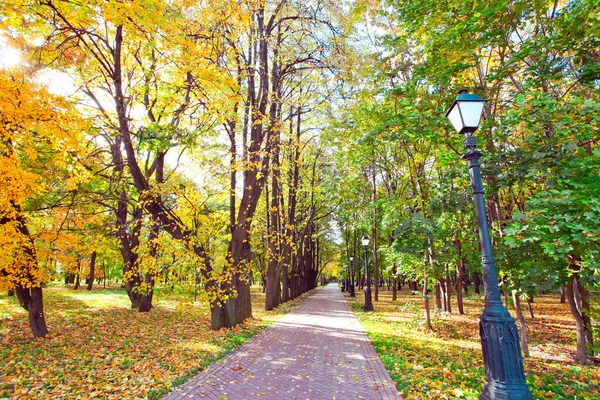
(100, 347)
(447, 362)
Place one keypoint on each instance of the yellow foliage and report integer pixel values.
(37, 132)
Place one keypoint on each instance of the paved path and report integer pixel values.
(318, 351)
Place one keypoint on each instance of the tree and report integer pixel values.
(38, 131)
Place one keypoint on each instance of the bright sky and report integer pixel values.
(9, 57)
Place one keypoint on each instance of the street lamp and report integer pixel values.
(368, 303)
(505, 375)
(351, 277)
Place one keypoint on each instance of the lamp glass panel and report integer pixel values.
(471, 112)
(365, 242)
(455, 119)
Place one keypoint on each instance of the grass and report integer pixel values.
(100, 347)
(447, 362)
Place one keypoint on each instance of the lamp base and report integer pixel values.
(500, 342)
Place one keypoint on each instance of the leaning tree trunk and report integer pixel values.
(582, 354)
(522, 325)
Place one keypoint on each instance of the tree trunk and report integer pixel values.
(522, 325)
(226, 313)
(448, 293)
(582, 354)
(437, 306)
(460, 272)
(426, 305)
(286, 284)
(394, 284)
(77, 275)
(530, 306)
(31, 299)
(92, 270)
(584, 294)
(374, 237)
(11, 293)
(476, 282)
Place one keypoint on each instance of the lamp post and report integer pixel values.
(368, 303)
(351, 277)
(505, 376)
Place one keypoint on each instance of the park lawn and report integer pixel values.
(100, 347)
(447, 363)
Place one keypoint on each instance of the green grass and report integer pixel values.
(447, 362)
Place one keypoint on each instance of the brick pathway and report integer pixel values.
(318, 351)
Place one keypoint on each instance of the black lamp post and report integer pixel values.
(368, 303)
(351, 277)
(505, 376)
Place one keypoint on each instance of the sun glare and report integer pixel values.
(9, 57)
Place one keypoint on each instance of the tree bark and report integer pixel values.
(584, 294)
(476, 282)
(30, 294)
(426, 305)
(530, 307)
(448, 292)
(394, 284)
(437, 296)
(77, 275)
(374, 237)
(460, 272)
(582, 353)
(31, 299)
(92, 270)
(522, 325)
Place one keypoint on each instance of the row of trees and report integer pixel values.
(234, 91)
(537, 64)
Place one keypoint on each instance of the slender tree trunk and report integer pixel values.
(77, 275)
(394, 284)
(437, 296)
(426, 305)
(374, 237)
(448, 292)
(460, 272)
(476, 282)
(530, 307)
(522, 325)
(92, 270)
(582, 353)
(563, 294)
